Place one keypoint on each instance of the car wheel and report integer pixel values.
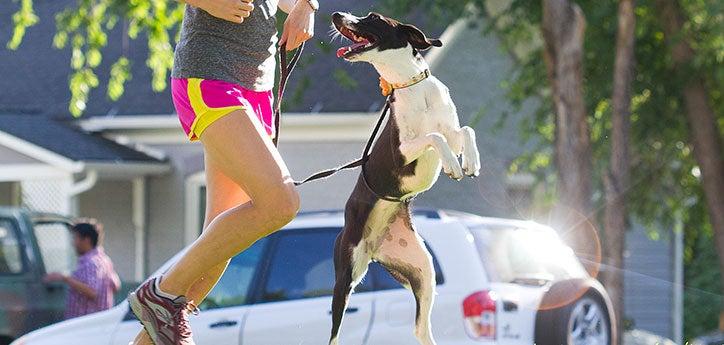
(582, 322)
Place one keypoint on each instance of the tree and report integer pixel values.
(704, 131)
(616, 180)
(563, 28)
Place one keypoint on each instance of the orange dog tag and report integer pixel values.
(385, 87)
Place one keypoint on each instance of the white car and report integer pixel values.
(492, 277)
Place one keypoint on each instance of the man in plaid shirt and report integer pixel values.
(94, 282)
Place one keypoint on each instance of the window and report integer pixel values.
(56, 247)
(384, 281)
(302, 266)
(520, 255)
(11, 261)
(234, 286)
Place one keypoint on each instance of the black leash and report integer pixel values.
(285, 71)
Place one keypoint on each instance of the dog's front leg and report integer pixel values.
(471, 156)
(413, 149)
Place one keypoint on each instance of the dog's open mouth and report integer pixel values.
(361, 41)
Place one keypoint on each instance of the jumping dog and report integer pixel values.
(422, 135)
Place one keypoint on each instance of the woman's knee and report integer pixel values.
(281, 204)
(288, 203)
(276, 206)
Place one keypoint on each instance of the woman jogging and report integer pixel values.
(221, 85)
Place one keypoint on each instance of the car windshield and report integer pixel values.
(525, 256)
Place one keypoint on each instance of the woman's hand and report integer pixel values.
(286, 5)
(299, 25)
(232, 10)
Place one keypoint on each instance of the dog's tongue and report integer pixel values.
(344, 50)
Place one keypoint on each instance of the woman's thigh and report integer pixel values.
(222, 193)
(239, 147)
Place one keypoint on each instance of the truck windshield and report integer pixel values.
(525, 256)
(10, 259)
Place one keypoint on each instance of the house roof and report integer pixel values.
(66, 140)
(35, 77)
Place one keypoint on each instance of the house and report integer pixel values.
(128, 164)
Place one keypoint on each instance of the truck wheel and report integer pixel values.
(584, 321)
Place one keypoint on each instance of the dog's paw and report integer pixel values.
(472, 172)
(471, 169)
(471, 164)
(455, 172)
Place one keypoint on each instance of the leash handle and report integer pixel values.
(284, 71)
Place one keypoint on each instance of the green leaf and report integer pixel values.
(22, 19)
(120, 73)
(93, 57)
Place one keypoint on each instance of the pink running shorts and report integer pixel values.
(200, 102)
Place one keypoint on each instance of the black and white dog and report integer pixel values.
(422, 135)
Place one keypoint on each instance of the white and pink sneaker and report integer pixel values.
(164, 316)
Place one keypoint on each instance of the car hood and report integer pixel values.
(78, 331)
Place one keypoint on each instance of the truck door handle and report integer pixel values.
(221, 324)
(349, 310)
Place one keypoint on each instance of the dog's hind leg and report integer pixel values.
(342, 290)
(350, 267)
(405, 256)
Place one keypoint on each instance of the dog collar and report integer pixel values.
(387, 87)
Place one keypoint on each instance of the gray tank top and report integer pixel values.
(213, 48)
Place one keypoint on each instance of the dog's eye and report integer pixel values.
(373, 15)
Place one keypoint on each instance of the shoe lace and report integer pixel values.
(181, 319)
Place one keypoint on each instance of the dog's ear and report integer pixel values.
(417, 38)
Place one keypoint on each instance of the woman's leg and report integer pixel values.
(239, 146)
(222, 194)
